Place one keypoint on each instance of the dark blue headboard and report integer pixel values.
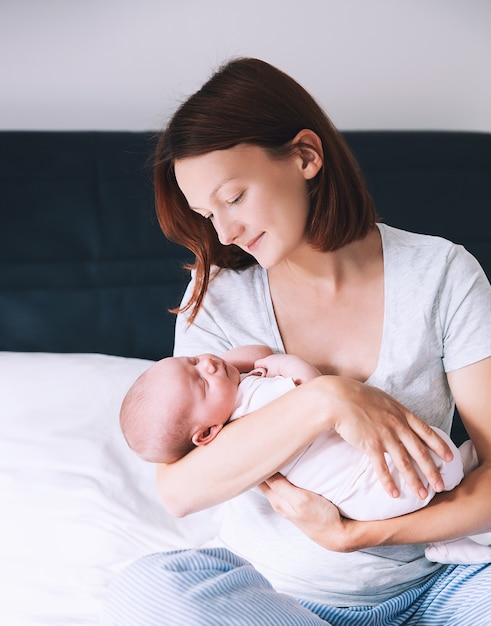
(85, 268)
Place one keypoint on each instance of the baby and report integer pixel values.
(183, 402)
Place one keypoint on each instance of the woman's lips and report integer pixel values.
(254, 243)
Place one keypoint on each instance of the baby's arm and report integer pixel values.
(244, 357)
(288, 365)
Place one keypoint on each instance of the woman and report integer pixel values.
(252, 177)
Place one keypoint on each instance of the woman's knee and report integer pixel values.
(198, 587)
(164, 587)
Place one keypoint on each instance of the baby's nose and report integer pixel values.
(209, 364)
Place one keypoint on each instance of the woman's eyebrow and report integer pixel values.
(221, 184)
(214, 192)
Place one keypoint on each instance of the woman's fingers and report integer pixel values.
(430, 438)
(419, 447)
(315, 516)
(283, 496)
(286, 499)
(406, 466)
(377, 424)
(409, 448)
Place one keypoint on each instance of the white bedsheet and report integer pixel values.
(76, 504)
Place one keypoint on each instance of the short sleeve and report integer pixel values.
(465, 311)
(236, 311)
(204, 335)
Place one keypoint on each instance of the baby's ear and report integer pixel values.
(202, 437)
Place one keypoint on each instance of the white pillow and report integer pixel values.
(76, 503)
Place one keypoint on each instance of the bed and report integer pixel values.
(86, 281)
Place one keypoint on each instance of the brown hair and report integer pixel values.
(249, 101)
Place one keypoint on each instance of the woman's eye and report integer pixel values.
(206, 216)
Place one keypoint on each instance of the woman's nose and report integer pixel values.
(227, 229)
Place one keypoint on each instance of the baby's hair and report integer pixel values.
(145, 430)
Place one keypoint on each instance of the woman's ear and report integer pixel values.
(310, 152)
(204, 436)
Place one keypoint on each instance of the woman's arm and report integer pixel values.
(466, 510)
(255, 447)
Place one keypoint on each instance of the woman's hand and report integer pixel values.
(376, 423)
(311, 513)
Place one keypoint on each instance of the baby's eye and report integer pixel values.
(236, 199)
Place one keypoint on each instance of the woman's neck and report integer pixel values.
(333, 269)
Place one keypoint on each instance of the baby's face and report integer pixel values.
(209, 386)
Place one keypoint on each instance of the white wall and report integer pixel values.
(125, 64)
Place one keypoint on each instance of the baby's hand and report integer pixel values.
(287, 365)
(273, 365)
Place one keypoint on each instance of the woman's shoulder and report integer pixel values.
(232, 293)
(422, 250)
(229, 281)
(429, 260)
(236, 311)
(397, 237)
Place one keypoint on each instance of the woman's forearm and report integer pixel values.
(246, 451)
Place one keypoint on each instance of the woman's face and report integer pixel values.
(256, 202)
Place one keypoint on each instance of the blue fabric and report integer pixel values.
(199, 588)
(213, 587)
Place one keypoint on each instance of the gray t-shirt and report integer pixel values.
(437, 319)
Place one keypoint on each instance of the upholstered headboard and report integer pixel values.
(84, 266)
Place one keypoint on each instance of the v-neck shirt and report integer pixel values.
(437, 318)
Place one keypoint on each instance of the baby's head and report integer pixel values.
(177, 404)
